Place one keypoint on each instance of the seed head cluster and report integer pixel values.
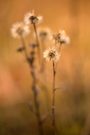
(22, 29)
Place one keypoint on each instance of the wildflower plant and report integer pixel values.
(52, 54)
(20, 30)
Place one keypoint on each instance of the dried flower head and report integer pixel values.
(31, 18)
(61, 37)
(19, 29)
(51, 54)
(44, 34)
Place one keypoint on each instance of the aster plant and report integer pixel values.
(21, 30)
(52, 54)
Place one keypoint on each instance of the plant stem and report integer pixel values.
(42, 62)
(53, 99)
(37, 106)
(37, 41)
(34, 89)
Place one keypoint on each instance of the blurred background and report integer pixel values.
(73, 100)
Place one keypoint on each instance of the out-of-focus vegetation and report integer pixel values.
(72, 103)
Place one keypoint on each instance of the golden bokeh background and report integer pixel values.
(73, 69)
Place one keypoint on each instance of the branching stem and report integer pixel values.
(34, 88)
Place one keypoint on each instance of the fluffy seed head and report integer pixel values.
(61, 37)
(51, 54)
(19, 29)
(31, 18)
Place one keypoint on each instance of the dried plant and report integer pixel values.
(19, 30)
(52, 54)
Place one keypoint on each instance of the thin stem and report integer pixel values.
(43, 62)
(37, 106)
(53, 99)
(37, 41)
(59, 49)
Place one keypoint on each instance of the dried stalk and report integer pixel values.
(37, 42)
(30, 61)
(53, 100)
(37, 106)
